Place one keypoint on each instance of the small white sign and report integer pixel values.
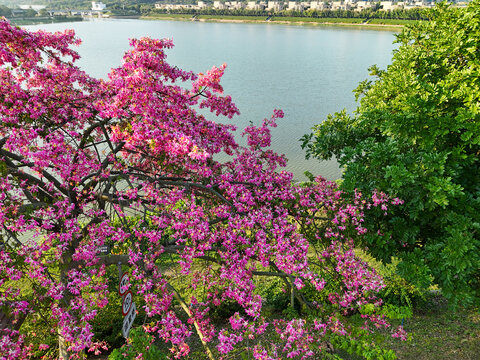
(103, 250)
(123, 282)
(127, 303)
(128, 320)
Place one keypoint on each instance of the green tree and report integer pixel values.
(416, 135)
(5, 11)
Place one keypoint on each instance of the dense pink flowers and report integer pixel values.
(129, 163)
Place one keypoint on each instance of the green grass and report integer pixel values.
(170, 16)
(440, 334)
(319, 20)
(232, 17)
(392, 21)
(207, 17)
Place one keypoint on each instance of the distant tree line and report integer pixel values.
(5, 11)
(400, 14)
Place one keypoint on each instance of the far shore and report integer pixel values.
(278, 20)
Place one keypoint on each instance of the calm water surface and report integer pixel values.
(308, 72)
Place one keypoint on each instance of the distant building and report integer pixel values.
(237, 5)
(98, 6)
(341, 5)
(58, 12)
(319, 5)
(37, 8)
(388, 5)
(253, 5)
(293, 5)
(274, 6)
(17, 12)
(362, 5)
(219, 5)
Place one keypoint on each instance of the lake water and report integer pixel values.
(307, 71)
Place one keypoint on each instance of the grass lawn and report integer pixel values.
(232, 17)
(441, 335)
(319, 20)
(169, 16)
(392, 22)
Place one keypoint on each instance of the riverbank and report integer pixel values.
(377, 24)
(44, 20)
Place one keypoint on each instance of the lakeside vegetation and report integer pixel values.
(368, 23)
(370, 13)
(367, 16)
(20, 21)
(392, 22)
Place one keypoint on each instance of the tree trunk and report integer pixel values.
(63, 353)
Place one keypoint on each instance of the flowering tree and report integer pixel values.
(128, 162)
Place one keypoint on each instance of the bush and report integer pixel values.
(416, 135)
(273, 294)
(108, 326)
(139, 342)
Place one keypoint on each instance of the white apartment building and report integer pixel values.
(293, 5)
(318, 5)
(237, 5)
(219, 5)
(274, 6)
(361, 5)
(253, 5)
(98, 6)
(37, 8)
(341, 5)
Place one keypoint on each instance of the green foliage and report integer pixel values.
(138, 342)
(39, 328)
(222, 312)
(273, 294)
(320, 19)
(396, 312)
(398, 16)
(392, 21)
(42, 334)
(416, 135)
(398, 291)
(362, 345)
(109, 320)
(5, 11)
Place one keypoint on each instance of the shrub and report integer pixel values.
(416, 135)
(139, 342)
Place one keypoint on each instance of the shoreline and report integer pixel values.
(188, 17)
(43, 20)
